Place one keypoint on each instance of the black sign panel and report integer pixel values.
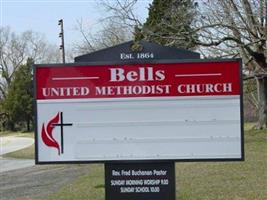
(140, 181)
(149, 52)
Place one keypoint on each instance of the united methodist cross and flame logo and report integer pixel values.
(47, 132)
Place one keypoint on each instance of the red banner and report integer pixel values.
(138, 80)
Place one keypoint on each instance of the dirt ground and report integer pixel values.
(37, 182)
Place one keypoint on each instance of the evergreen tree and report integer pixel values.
(169, 23)
(18, 104)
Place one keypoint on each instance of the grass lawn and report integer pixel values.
(197, 181)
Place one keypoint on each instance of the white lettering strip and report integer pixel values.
(159, 140)
(196, 75)
(74, 78)
(152, 123)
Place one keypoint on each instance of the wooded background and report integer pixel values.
(215, 28)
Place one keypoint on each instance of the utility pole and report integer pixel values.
(61, 35)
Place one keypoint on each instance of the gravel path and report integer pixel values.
(37, 182)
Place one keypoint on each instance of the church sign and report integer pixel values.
(158, 110)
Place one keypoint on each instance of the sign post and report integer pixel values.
(139, 118)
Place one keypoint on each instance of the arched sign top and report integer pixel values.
(150, 51)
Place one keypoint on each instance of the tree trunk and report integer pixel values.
(262, 97)
(10, 125)
(28, 125)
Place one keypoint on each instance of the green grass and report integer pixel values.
(196, 181)
(249, 126)
(26, 153)
(230, 180)
(90, 186)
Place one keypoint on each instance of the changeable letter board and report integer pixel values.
(155, 111)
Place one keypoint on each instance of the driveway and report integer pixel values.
(38, 182)
(10, 144)
(33, 181)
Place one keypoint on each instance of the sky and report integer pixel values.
(42, 16)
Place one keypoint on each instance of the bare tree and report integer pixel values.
(110, 34)
(15, 49)
(117, 26)
(238, 28)
(12, 54)
(123, 12)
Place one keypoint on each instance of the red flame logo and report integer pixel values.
(47, 131)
